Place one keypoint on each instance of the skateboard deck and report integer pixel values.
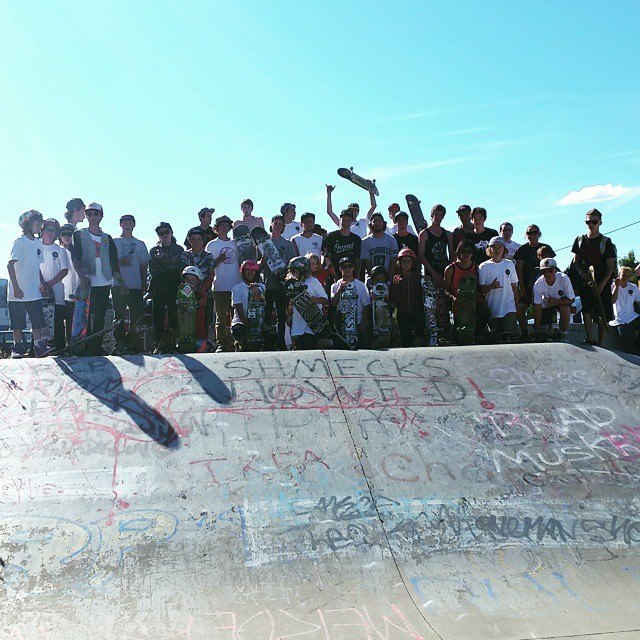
(81, 310)
(75, 347)
(465, 311)
(244, 243)
(601, 318)
(381, 317)
(415, 210)
(186, 318)
(349, 309)
(363, 183)
(255, 317)
(269, 251)
(49, 312)
(430, 311)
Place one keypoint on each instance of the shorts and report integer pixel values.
(588, 302)
(18, 314)
(506, 324)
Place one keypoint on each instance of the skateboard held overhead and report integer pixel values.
(415, 210)
(363, 183)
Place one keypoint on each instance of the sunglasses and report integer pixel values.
(166, 232)
(533, 233)
(91, 212)
(592, 222)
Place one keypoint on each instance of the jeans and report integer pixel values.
(628, 335)
(121, 301)
(222, 303)
(278, 298)
(99, 301)
(164, 299)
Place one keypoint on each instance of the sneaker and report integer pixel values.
(219, 349)
(18, 351)
(40, 348)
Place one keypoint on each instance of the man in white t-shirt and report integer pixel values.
(53, 269)
(307, 241)
(227, 275)
(301, 334)
(498, 281)
(392, 229)
(364, 300)
(552, 292)
(250, 272)
(506, 233)
(291, 226)
(24, 296)
(626, 298)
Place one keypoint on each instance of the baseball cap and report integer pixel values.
(496, 240)
(127, 216)
(307, 214)
(195, 231)
(548, 263)
(164, 225)
(463, 207)
(221, 219)
(94, 206)
(205, 210)
(343, 261)
(401, 213)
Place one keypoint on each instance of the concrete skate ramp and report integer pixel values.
(459, 494)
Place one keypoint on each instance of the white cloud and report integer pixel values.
(598, 193)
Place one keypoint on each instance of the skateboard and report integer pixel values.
(349, 310)
(81, 310)
(430, 311)
(381, 317)
(415, 210)
(269, 250)
(601, 318)
(186, 318)
(49, 311)
(244, 243)
(465, 309)
(255, 318)
(297, 292)
(363, 183)
(75, 347)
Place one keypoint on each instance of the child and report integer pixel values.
(240, 296)
(24, 295)
(317, 270)
(405, 293)
(499, 283)
(363, 313)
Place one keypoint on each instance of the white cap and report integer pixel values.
(94, 206)
(548, 263)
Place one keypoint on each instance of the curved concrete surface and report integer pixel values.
(459, 494)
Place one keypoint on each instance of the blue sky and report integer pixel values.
(161, 108)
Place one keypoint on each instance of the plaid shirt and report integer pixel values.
(406, 294)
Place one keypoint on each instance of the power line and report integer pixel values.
(626, 226)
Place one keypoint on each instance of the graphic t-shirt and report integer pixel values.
(135, 252)
(240, 295)
(308, 245)
(55, 260)
(379, 250)
(227, 273)
(500, 301)
(623, 306)
(436, 251)
(338, 246)
(481, 242)
(315, 290)
(407, 241)
(98, 278)
(291, 229)
(561, 288)
(511, 248)
(28, 257)
(364, 297)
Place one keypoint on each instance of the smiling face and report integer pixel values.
(197, 242)
(506, 231)
(49, 234)
(165, 235)
(309, 223)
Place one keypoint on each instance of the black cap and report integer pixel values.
(463, 207)
(164, 225)
(343, 261)
(226, 219)
(205, 210)
(195, 231)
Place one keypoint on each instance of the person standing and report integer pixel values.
(466, 226)
(133, 259)
(405, 294)
(165, 266)
(75, 212)
(359, 227)
(307, 241)
(227, 275)
(527, 262)
(480, 235)
(363, 313)
(70, 281)
(552, 294)
(246, 206)
(394, 210)
(23, 294)
(208, 234)
(511, 246)
(274, 294)
(291, 227)
(435, 247)
(499, 283)
(198, 256)
(595, 250)
(404, 237)
(379, 248)
(95, 259)
(54, 268)
(343, 242)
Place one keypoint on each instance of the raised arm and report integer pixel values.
(374, 204)
(330, 213)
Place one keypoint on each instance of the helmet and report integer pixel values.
(192, 271)
(52, 222)
(379, 270)
(252, 265)
(407, 253)
(28, 216)
(300, 263)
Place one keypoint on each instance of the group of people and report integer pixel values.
(51, 262)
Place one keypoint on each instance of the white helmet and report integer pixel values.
(192, 271)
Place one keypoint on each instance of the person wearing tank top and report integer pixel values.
(435, 247)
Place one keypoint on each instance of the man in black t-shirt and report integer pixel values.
(343, 243)
(480, 235)
(597, 251)
(402, 235)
